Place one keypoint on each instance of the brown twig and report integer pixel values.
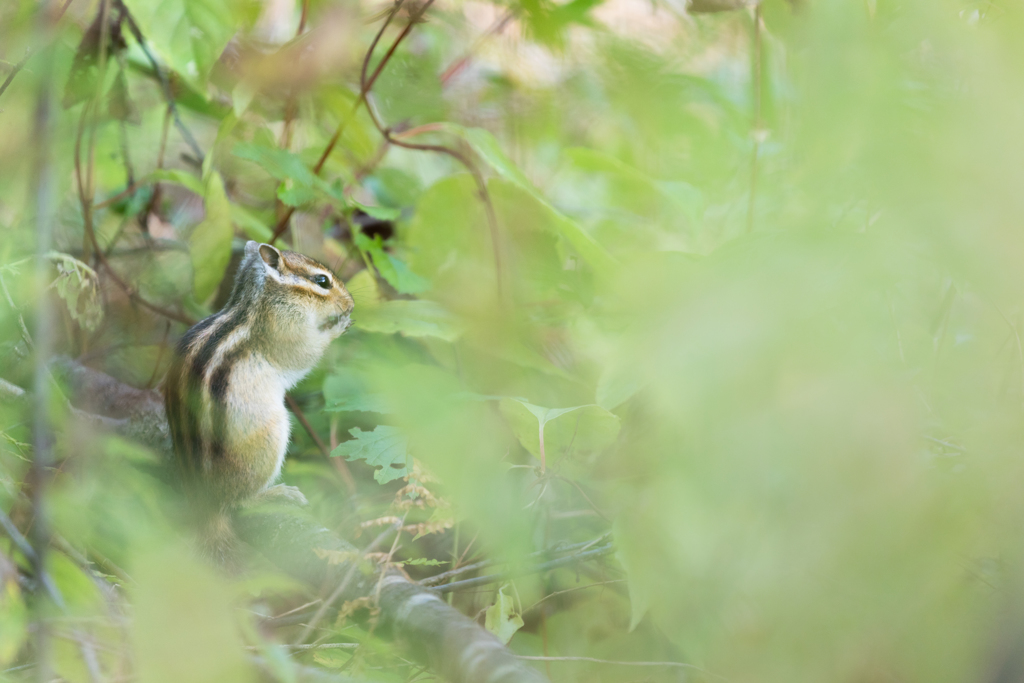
(85, 195)
(452, 573)
(460, 63)
(365, 86)
(536, 569)
(90, 234)
(585, 497)
(340, 465)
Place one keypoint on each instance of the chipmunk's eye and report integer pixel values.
(323, 281)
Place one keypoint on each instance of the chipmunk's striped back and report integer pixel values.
(225, 389)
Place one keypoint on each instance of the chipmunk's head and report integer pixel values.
(300, 296)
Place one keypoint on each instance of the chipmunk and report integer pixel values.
(225, 389)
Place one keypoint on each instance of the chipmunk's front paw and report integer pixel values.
(282, 492)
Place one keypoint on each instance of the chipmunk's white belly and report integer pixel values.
(258, 427)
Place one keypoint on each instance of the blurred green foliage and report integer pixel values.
(752, 279)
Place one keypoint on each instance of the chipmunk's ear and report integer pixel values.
(270, 256)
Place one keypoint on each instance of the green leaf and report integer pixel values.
(639, 589)
(424, 562)
(344, 391)
(381, 213)
(253, 227)
(186, 180)
(485, 144)
(581, 428)
(299, 185)
(636, 191)
(210, 241)
(616, 386)
(384, 447)
(395, 271)
(502, 619)
(416, 318)
(189, 34)
(332, 659)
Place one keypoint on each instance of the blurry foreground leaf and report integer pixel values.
(417, 318)
(580, 428)
(184, 627)
(344, 391)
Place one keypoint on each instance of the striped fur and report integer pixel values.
(225, 389)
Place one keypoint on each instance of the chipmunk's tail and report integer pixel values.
(217, 541)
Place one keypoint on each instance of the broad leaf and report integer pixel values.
(579, 428)
(385, 447)
(502, 619)
(415, 318)
(299, 185)
(639, 588)
(395, 271)
(186, 180)
(381, 213)
(189, 34)
(484, 143)
(344, 391)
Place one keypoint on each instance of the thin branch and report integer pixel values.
(329, 602)
(585, 497)
(452, 573)
(481, 185)
(340, 467)
(540, 568)
(572, 590)
(85, 198)
(462, 61)
(609, 661)
(20, 542)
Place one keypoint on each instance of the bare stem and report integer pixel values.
(340, 466)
